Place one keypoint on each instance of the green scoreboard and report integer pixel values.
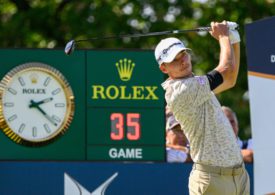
(118, 106)
(125, 106)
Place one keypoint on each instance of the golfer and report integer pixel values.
(218, 164)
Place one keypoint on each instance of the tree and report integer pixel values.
(52, 23)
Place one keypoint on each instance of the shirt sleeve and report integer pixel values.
(191, 92)
(250, 144)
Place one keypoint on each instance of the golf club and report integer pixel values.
(70, 46)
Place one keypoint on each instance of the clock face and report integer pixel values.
(36, 104)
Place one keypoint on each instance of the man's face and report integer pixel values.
(232, 121)
(176, 136)
(180, 67)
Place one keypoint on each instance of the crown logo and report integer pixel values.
(125, 68)
(33, 78)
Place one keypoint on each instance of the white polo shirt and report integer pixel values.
(211, 137)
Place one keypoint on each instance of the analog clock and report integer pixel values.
(36, 104)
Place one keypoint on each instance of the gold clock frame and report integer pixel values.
(37, 66)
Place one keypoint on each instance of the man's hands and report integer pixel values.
(219, 30)
(225, 28)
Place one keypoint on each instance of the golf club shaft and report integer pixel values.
(70, 46)
(200, 29)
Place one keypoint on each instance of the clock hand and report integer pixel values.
(36, 105)
(46, 115)
(33, 104)
(44, 101)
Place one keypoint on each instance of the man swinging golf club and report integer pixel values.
(218, 164)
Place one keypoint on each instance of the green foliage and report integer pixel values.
(52, 23)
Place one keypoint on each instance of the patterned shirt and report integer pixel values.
(212, 139)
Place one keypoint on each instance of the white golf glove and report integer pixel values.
(232, 25)
(234, 35)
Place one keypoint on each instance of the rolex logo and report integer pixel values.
(125, 68)
(33, 78)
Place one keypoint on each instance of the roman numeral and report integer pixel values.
(47, 81)
(21, 81)
(21, 128)
(47, 128)
(8, 104)
(59, 105)
(13, 117)
(56, 118)
(34, 131)
(56, 91)
(12, 91)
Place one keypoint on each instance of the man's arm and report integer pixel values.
(228, 66)
(230, 75)
(247, 155)
(178, 147)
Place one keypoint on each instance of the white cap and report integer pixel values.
(167, 49)
(171, 123)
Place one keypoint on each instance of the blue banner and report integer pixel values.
(260, 47)
(96, 178)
